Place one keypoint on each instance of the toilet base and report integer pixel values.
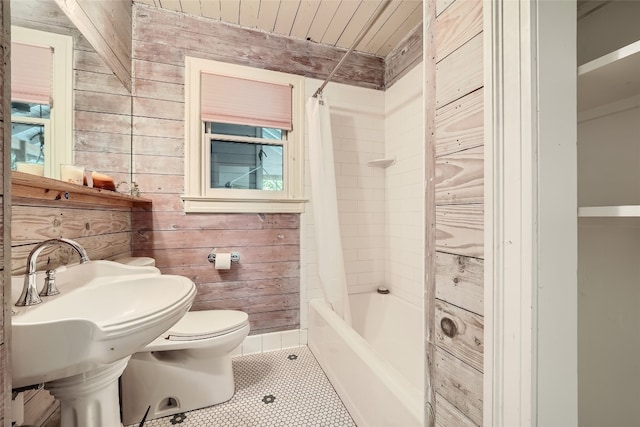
(170, 382)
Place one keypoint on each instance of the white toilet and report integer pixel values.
(188, 367)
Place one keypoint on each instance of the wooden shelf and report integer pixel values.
(609, 211)
(610, 78)
(32, 187)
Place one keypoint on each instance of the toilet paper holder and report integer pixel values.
(235, 257)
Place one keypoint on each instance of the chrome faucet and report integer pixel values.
(29, 295)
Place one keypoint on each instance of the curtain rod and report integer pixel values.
(359, 38)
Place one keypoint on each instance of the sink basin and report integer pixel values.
(105, 312)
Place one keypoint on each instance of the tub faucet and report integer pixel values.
(29, 295)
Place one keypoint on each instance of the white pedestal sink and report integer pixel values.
(78, 342)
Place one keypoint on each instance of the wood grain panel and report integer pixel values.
(109, 163)
(448, 415)
(158, 71)
(179, 220)
(152, 127)
(107, 26)
(206, 272)
(248, 254)
(97, 82)
(403, 58)
(258, 303)
(100, 102)
(159, 109)
(100, 122)
(457, 25)
(90, 61)
(460, 230)
(31, 224)
(210, 40)
(459, 125)
(102, 142)
(162, 184)
(460, 73)
(149, 145)
(460, 177)
(339, 21)
(459, 281)
(408, 15)
(159, 239)
(159, 90)
(158, 164)
(30, 12)
(98, 247)
(467, 344)
(247, 288)
(442, 5)
(460, 384)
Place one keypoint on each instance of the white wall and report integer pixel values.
(381, 210)
(608, 269)
(404, 188)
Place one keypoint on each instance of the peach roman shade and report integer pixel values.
(31, 73)
(240, 101)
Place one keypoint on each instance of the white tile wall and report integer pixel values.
(404, 188)
(381, 210)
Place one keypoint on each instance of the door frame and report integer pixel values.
(530, 213)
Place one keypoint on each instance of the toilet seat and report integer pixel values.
(202, 325)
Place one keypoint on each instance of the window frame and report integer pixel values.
(198, 197)
(58, 147)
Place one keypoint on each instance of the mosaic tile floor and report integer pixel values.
(279, 388)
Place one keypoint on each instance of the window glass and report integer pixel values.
(239, 165)
(27, 143)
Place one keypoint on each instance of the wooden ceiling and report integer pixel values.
(330, 22)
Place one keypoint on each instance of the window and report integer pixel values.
(41, 99)
(243, 139)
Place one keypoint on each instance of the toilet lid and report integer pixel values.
(200, 325)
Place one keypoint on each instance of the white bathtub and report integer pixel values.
(378, 371)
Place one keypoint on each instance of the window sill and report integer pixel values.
(30, 187)
(200, 204)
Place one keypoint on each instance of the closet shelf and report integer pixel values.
(610, 78)
(609, 211)
(382, 163)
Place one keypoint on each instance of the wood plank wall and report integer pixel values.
(102, 105)
(457, 360)
(102, 134)
(266, 282)
(107, 26)
(5, 197)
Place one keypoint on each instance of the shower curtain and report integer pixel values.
(325, 208)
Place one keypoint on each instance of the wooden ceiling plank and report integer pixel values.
(149, 2)
(401, 32)
(286, 16)
(402, 12)
(360, 18)
(382, 19)
(230, 11)
(192, 7)
(171, 5)
(267, 15)
(326, 12)
(340, 21)
(249, 10)
(306, 13)
(210, 9)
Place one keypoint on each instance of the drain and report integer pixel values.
(383, 290)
